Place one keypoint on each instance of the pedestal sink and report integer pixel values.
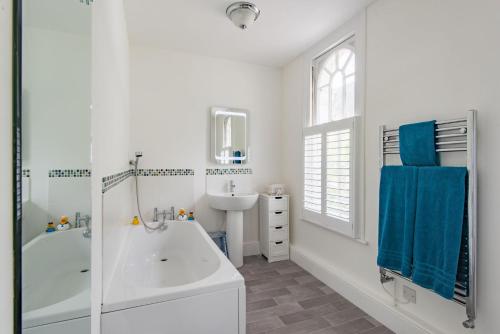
(234, 204)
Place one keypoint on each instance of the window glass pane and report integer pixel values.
(331, 63)
(349, 69)
(349, 96)
(323, 105)
(338, 96)
(343, 56)
(335, 85)
(323, 79)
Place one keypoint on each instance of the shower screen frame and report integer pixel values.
(17, 161)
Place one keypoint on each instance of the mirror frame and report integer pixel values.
(17, 160)
(214, 111)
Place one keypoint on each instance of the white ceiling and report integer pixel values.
(284, 30)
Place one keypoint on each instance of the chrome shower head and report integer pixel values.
(135, 162)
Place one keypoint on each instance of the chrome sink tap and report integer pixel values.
(232, 186)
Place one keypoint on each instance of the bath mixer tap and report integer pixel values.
(87, 233)
(164, 214)
(172, 213)
(155, 215)
(78, 224)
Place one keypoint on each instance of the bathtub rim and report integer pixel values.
(43, 316)
(225, 277)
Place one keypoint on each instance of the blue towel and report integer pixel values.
(397, 208)
(417, 145)
(220, 240)
(438, 227)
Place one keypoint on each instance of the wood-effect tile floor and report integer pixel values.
(283, 298)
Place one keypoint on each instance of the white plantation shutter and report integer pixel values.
(312, 173)
(329, 174)
(338, 174)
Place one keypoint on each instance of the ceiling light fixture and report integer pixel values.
(242, 14)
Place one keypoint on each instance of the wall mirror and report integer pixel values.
(229, 132)
(55, 155)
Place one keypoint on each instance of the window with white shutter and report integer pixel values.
(331, 141)
(312, 173)
(338, 176)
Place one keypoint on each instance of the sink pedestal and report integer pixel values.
(234, 204)
(234, 235)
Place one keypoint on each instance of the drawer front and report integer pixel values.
(278, 218)
(278, 203)
(278, 248)
(279, 232)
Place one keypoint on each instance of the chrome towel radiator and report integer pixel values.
(455, 135)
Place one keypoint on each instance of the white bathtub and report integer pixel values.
(56, 282)
(177, 282)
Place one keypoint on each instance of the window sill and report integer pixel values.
(345, 235)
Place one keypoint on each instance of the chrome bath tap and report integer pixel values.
(77, 220)
(164, 214)
(87, 233)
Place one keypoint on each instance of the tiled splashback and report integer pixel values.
(181, 188)
(69, 173)
(109, 182)
(228, 171)
(165, 172)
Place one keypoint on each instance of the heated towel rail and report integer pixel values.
(455, 135)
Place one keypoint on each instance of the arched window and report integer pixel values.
(331, 141)
(334, 84)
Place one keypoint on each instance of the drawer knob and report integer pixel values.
(278, 242)
(278, 227)
(278, 197)
(278, 212)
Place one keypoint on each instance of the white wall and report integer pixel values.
(171, 96)
(56, 122)
(425, 60)
(6, 263)
(110, 124)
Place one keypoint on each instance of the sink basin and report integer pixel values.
(234, 204)
(232, 201)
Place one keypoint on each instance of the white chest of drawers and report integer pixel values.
(274, 229)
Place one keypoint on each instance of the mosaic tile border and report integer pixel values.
(26, 173)
(111, 181)
(229, 171)
(165, 172)
(69, 173)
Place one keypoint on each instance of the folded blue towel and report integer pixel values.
(397, 208)
(417, 144)
(439, 219)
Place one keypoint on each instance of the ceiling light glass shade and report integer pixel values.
(242, 14)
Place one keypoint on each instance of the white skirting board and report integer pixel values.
(383, 311)
(251, 248)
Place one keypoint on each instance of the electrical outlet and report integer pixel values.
(409, 294)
